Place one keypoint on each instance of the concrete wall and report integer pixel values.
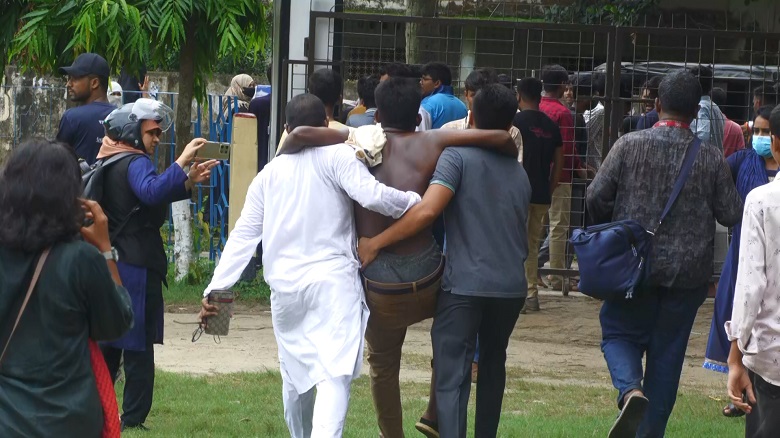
(32, 106)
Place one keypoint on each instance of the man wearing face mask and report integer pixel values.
(136, 203)
(82, 127)
(750, 168)
(115, 97)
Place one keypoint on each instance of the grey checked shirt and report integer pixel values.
(635, 182)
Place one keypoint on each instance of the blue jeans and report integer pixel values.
(657, 322)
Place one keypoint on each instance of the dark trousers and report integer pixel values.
(138, 365)
(764, 420)
(657, 323)
(139, 381)
(457, 322)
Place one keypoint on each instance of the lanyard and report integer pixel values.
(671, 124)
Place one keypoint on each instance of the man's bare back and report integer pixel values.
(408, 162)
(409, 159)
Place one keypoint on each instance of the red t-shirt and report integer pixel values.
(562, 117)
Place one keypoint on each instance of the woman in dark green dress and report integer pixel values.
(47, 386)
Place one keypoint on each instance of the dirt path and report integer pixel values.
(560, 344)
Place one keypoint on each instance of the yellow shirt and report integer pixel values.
(331, 124)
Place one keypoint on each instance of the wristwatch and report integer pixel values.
(111, 255)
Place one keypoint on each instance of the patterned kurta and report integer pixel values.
(635, 182)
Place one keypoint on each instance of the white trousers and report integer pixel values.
(322, 416)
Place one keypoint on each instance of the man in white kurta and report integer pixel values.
(301, 207)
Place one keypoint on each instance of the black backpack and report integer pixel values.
(92, 181)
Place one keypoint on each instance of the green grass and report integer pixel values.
(189, 291)
(250, 405)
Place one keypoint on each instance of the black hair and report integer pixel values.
(705, 76)
(269, 71)
(366, 88)
(774, 121)
(396, 70)
(767, 94)
(102, 81)
(398, 101)
(719, 96)
(494, 107)
(505, 80)
(326, 84)
(530, 89)
(479, 78)
(680, 93)
(553, 76)
(40, 187)
(415, 71)
(438, 72)
(765, 112)
(581, 84)
(651, 85)
(305, 110)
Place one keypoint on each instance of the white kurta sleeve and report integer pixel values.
(355, 179)
(751, 278)
(243, 240)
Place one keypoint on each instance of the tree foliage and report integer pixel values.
(614, 12)
(131, 33)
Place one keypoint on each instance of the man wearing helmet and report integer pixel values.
(136, 202)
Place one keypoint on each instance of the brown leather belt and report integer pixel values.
(404, 288)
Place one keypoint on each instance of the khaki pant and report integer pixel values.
(390, 316)
(536, 214)
(560, 215)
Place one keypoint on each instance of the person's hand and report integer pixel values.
(739, 383)
(144, 87)
(366, 252)
(96, 234)
(191, 150)
(201, 172)
(206, 310)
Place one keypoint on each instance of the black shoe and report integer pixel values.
(124, 426)
(630, 417)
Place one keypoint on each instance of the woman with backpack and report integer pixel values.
(58, 294)
(136, 199)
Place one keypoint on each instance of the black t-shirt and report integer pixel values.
(541, 136)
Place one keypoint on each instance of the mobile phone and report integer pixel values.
(213, 150)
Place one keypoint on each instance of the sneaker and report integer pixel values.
(531, 305)
(630, 417)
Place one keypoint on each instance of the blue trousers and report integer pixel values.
(657, 323)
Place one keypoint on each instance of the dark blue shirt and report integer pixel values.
(260, 106)
(153, 189)
(82, 128)
(647, 120)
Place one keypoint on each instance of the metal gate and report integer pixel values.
(625, 56)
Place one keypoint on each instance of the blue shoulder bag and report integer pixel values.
(613, 257)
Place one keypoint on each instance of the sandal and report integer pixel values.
(427, 428)
(573, 284)
(732, 411)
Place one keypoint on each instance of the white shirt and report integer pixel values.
(301, 207)
(755, 319)
(426, 122)
(462, 124)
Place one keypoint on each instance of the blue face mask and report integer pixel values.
(763, 146)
